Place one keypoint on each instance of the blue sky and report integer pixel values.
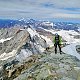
(40, 9)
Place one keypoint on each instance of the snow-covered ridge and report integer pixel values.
(32, 32)
(66, 35)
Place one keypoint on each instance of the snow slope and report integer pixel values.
(71, 49)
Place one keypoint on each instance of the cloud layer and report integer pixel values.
(40, 9)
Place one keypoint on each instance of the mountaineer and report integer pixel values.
(57, 42)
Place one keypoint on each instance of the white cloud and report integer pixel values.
(37, 9)
(64, 15)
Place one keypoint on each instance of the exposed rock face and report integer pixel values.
(20, 41)
(16, 44)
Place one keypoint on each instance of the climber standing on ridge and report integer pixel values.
(57, 42)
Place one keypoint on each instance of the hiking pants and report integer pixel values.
(57, 44)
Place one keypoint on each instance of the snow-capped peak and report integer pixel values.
(47, 23)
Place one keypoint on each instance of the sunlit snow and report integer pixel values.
(71, 49)
(3, 40)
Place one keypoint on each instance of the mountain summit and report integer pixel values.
(25, 54)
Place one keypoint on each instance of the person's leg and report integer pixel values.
(59, 48)
(55, 48)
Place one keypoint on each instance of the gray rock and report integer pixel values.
(78, 48)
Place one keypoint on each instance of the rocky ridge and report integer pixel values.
(23, 56)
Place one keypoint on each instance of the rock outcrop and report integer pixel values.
(51, 67)
(78, 48)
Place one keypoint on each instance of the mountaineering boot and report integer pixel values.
(60, 52)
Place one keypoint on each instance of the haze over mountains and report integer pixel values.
(38, 23)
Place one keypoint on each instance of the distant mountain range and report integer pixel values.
(37, 24)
